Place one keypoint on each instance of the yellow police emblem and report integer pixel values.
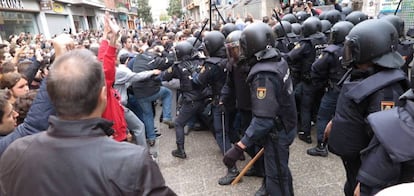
(386, 105)
(261, 93)
(297, 46)
(169, 70)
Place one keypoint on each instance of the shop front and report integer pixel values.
(17, 16)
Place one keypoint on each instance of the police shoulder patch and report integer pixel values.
(169, 70)
(386, 105)
(297, 46)
(261, 92)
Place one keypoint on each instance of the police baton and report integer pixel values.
(224, 132)
(290, 46)
(202, 29)
(248, 166)
(398, 7)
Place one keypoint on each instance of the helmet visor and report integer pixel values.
(233, 51)
(349, 57)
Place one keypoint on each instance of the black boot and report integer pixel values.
(179, 152)
(262, 190)
(319, 150)
(229, 177)
(305, 137)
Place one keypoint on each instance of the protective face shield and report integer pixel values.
(233, 51)
(350, 47)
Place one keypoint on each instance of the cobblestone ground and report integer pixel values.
(199, 173)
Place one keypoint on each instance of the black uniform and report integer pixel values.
(301, 59)
(191, 95)
(326, 72)
(363, 93)
(213, 75)
(391, 146)
(271, 85)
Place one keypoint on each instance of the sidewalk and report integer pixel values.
(199, 173)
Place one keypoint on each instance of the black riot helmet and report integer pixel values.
(397, 22)
(311, 26)
(302, 16)
(326, 26)
(183, 50)
(194, 42)
(256, 37)
(333, 16)
(213, 42)
(290, 18)
(356, 17)
(233, 46)
(339, 31)
(297, 28)
(322, 16)
(365, 44)
(228, 28)
(279, 32)
(346, 10)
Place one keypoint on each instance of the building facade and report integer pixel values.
(55, 17)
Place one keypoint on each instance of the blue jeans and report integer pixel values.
(326, 112)
(148, 115)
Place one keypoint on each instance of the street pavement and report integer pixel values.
(199, 173)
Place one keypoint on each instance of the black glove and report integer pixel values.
(232, 156)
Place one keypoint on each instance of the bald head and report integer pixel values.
(75, 83)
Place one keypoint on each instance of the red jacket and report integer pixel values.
(114, 111)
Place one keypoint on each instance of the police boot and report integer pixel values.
(179, 152)
(319, 150)
(262, 190)
(232, 173)
(305, 137)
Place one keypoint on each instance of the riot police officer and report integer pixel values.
(300, 60)
(333, 16)
(270, 85)
(284, 36)
(390, 146)
(374, 83)
(356, 17)
(326, 73)
(291, 18)
(191, 93)
(405, 47)
(213, 75)
(326, 27)
(235, 90)
(228, 28)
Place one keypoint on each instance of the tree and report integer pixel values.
(174, 8)
(144, 11)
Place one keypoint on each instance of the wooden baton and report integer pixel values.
(248, 166)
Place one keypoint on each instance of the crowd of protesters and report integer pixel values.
(136, 63)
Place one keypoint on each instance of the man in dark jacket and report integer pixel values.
(76, 146)
(149, 90)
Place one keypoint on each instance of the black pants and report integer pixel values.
(352, 166)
